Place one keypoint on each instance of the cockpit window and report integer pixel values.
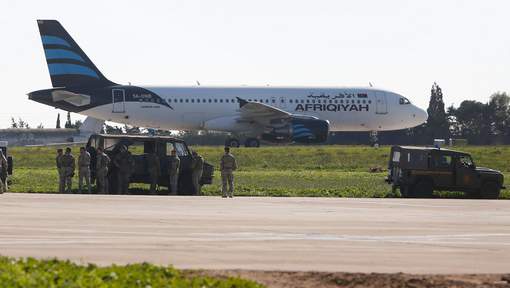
(404, 101)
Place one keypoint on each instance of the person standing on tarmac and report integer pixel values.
(154, 168)
(228, 165)
(124, 164)
(61, 178)
(3, 172)
(197, 167)
(102, 163)
(174, 163)
(68, 166)
(84, 169)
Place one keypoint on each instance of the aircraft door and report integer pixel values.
(118, 101)
(381, 103)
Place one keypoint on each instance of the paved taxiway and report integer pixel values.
(365, 235)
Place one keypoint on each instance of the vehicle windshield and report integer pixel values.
(404, 101)
(467, 161)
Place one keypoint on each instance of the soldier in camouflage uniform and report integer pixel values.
(228, 165)
(68, 166)
(102, 164)
(3, 172)
(84, 169)
(125, 166)
(197, 167)
(61, 178)
(154, 168)
(174, 164)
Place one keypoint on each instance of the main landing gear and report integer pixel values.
(249, 142)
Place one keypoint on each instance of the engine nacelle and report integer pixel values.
(297, 130)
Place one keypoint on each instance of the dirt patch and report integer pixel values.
(282, 279)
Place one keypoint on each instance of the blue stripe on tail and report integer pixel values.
(66, 69)
(62, 54)
(54, 40)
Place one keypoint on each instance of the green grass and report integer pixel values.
(315, 171)
(29, 272)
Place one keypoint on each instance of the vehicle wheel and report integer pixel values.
(232, 142)
(423, 189)
(490, 190)
(252, 142)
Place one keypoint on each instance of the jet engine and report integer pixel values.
(301, 130)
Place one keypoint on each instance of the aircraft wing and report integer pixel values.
(260, 112)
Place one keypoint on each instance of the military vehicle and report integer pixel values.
(418, 171)
(140, 146)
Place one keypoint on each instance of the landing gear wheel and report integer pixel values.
(252, 142)
(232, 142)
(490, 190)
(423, 189)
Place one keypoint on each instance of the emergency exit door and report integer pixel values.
(381, 104)
(118, 101)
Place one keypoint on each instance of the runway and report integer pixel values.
(302, 234)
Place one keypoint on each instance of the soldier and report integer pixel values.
(124, 164)
(174, 163)
(84, 169)
(3, 172)
(197, 166)
(102, 164)
(68, 166)
(61, 178)
(154, 168)
(227, 166)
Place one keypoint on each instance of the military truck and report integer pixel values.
(418, 171)
(140, 146)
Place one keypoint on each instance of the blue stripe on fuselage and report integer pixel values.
(62, 54)
(63, 69)
(47, 40)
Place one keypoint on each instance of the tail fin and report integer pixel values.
(69, 66)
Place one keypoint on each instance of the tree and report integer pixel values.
(58, 121)
(68, 124)
(499, 111)
(19, 124)
(437, 123)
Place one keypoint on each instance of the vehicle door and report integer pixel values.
(443, 168)
(465, 173)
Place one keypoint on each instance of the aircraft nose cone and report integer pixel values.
(419, 116)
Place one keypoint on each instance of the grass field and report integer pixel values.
(315, 171)
(30, 272)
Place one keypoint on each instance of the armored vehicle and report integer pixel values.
(418, 171)
(140, 146)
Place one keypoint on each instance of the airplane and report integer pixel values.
(41, 137)
(272, 114)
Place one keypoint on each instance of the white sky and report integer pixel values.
(401, 45)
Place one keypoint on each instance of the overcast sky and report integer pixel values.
(400, 45)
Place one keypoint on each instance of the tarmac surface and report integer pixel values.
(295, 234)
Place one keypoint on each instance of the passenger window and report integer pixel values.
(187, 100)
(442, 161)
(215, 100)
(192, 100)
(221, 100)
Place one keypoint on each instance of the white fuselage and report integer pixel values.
(346, 109)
